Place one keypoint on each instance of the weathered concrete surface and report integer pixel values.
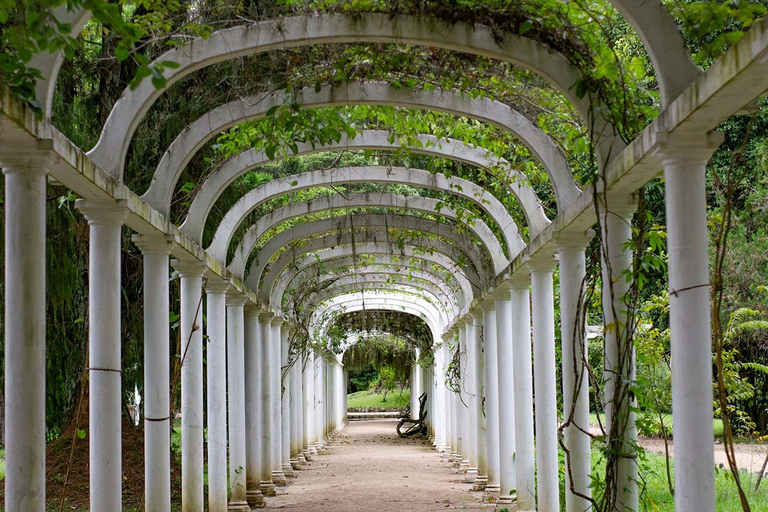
(369, 468)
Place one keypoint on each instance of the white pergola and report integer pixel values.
(265, 420)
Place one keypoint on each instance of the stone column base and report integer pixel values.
(288, 471)
(268, 488)
(470, 476)
(295, 464)
(302, 459)
(480, 483)
(464, 466)
(278, 478)
(255, 498)
(491, 492)
(238, 506)
(505, 501)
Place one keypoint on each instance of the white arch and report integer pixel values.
(326, 249)
(336, 201)
(109, 153)
(368, 174)
(194, 136)
(220, 179)
(331, 259)
(330, 229)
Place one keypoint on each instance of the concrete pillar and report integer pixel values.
(505, 366)
(491, 398)
(105, 220)
(545, 385)
(254, 367)
(25, 198)
(467, 433)
(295, 399)
(299, 404)
(236, 404)
(523, 395)
(320, 396)
(191, 336)
(619, 365)
(216, 364)
(285, 399)
(265, 363)
(275, 342)
(341, 394)
(309, 407)
(477, 376)
(684, 161)
(438, 389)
(415, 386)
(575, 374)
(157, 440)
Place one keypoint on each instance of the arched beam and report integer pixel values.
(675, 71)
(332, 259)
(194, 136)
(368, 174)
(330, 229)
(112, 147)
(375, 200)
(451, 149)
(327, 248)
(378, 301)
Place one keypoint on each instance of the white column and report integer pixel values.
(265, 364)
(438, 388)
(299, 404)
(105, 220)
(505, 367)
(477, 376)
(341, 393)
(689, 320)
(619, 363)
(253, 369)
(575, 375)
(319, 404)
(491, 397)
(545, 385)
(415, 385)
(25, 198)
(157, 441)
(295, 398)
(464, 421)
(275, 341)
(309, 407)
(446, 396)
(191, 336)
(216, 364)
(523, 396)
(285, 399)
(236, 403)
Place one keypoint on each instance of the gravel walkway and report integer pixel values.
(368, 468)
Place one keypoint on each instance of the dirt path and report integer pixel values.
(368, 468)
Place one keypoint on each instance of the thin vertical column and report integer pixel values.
(415, 385)
(265, 363)
(275, 342)
(319, 401)
(299, 404)
(468, 372)
(478, 386)
(191, 274)
(295, 397)
(545, 385)
(523, 396)
(105, 220)
(216, 378)
(505, 367)
(491, 398)
(341, 393)
(462, 404)
(25, 197)
(285, 399)
(576, 437)
(157, 440)
(236, 404)
(689, 319)
(253, 423)
(619, 357)
(438, 388)
(309, 404)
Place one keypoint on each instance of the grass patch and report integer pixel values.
(717, 424)
(656, 495)
(2, 464)
(395, 399)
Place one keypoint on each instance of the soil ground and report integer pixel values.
(369, 468)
